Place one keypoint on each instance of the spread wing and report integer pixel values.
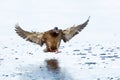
(72, 31)
(30, 36)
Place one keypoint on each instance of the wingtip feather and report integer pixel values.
(88, 17)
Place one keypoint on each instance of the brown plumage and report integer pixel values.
(51, 38)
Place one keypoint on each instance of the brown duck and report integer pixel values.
(51, 38)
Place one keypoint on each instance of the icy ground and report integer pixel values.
(78, 60)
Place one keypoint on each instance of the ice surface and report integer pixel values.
(21, 60)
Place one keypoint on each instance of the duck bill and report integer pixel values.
(56, 31)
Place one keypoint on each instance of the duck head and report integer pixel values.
(56, 30)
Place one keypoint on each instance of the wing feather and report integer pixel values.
(72, 31)
(34, 37)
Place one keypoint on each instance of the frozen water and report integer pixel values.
(88, 61)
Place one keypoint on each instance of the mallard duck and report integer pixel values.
(51, 38)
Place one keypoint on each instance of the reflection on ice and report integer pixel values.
(51, 70)
(52, 65)
(55, 71)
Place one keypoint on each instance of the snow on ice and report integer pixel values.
(21, 60)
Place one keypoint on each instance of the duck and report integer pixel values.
(51, 38)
